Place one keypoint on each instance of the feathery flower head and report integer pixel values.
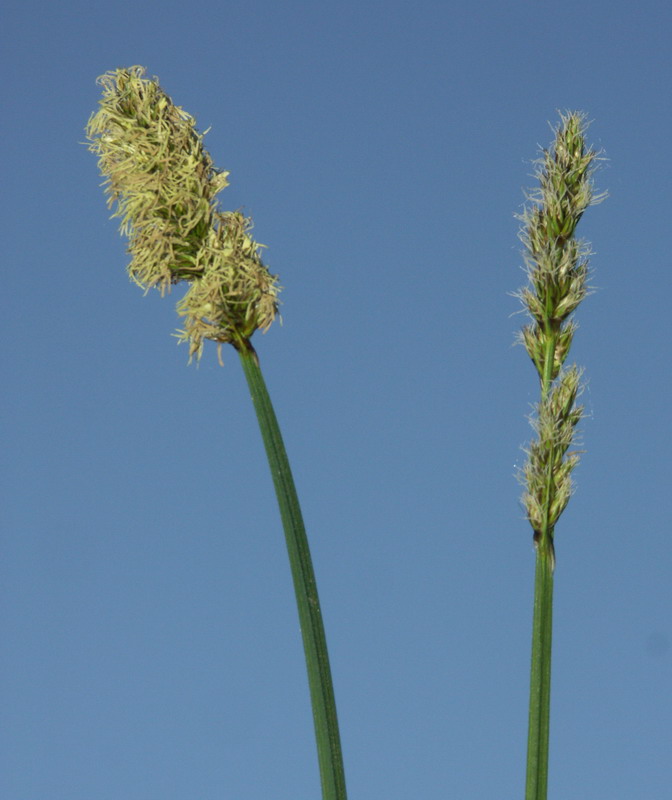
(556, 262)
(157, 172)
(236, 293)
(547, 474)
(165, 186)
(557, 269)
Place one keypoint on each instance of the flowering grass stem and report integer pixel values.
(557, 268)
(164, 186)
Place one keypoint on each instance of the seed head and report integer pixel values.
(164, 186)
(158, 174)
(235, 294)
(557, 269)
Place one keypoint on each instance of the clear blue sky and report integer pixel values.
(149, 644)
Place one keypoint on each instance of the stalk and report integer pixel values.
(557, 267)
(540, 681)
(327, 736)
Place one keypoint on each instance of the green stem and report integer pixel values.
(536, 784)
(310, 617)
(540, 678)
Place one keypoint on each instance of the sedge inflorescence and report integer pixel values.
(164, 186)
(557, 269)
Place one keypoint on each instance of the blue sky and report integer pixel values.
(150, 644)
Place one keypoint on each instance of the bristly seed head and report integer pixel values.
(236, 294)
(557, 268)
(165, 188)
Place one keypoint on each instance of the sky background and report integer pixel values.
(149, 643)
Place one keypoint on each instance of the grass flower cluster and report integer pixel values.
(165, 186)
(557, 268)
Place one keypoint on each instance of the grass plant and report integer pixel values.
(557, 269)
(163, 185)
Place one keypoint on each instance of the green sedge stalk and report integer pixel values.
(164, 186)
(310, 615)
(557, 268)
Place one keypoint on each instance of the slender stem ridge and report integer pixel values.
(557, 268)
(330, 756)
